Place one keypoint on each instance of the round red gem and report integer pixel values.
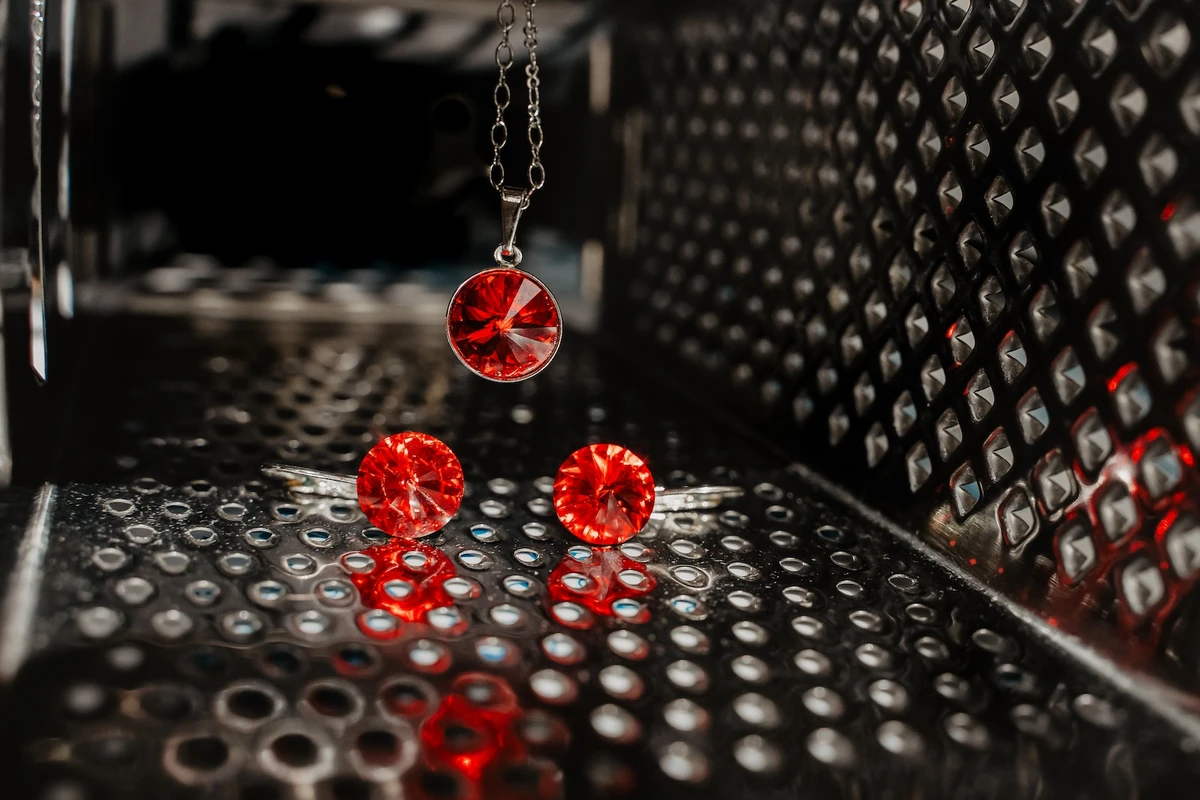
(410, 484)
(504, 324)
(603, 494)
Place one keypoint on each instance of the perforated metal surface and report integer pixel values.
(944, 253)
(201, 633)
(947, 251)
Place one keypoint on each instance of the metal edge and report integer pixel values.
(21, 601)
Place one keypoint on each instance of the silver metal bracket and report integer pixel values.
(513, 201)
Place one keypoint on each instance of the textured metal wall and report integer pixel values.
(947, 252)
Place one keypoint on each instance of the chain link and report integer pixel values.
(506, 17)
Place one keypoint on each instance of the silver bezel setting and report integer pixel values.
(504, 267)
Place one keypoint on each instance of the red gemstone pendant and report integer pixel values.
(604, 494)
(503, 324)
(410, 484)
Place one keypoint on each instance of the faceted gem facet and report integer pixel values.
(603, 494)
(410, 484)
(504, 324)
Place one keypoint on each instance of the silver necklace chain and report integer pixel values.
(506, 16)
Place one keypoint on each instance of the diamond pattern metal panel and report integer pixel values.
(948, 250)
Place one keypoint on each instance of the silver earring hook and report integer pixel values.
(304, 480)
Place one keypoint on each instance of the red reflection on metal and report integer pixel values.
(607, 576)
(1116, 379)
(408, 580)
(1164, 525)
(472, 726)
(1177, 587)
(477, 736)
(1169, 211)
(1097, 588)
(404, 700)
(1187, 481)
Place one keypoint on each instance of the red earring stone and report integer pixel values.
(410, 484)
(503, 324)
(604, 494)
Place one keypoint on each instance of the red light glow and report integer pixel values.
(408, 580)
(472, 726)
(607, 576)
(1115, 380)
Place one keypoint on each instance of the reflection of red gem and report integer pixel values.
(473, 726)
(1156, 453)
(604, 494)
(408, 580)
(595, 584)
(410, 484)
(504, 324)
(478, 743)
(404, 699)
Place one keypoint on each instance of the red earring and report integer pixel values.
(604, 494)
(410, 484)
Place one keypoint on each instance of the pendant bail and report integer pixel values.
(512, 202)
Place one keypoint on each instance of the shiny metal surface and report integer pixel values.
(912, 284)
(305, 480)
(198, 629)
(946, 253)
